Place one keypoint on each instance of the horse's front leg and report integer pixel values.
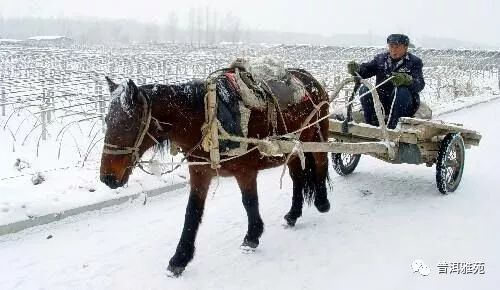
(247, 182)
(200, 181)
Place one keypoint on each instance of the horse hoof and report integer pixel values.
(174, 271)
(291, 219)
(247, 249)
(249, 246)
(323, 207)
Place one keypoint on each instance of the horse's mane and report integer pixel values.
(192, 92)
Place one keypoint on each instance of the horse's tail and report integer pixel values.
(313, 185)
(309, 178)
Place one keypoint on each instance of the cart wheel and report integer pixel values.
(344, 164)
(450, 163)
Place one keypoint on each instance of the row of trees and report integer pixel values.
(204, 26)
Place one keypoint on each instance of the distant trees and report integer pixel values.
(232, 27)
(203, 26)
(172, 27)
(191, 24)
(2, 24)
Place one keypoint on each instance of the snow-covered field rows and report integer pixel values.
(53, 100)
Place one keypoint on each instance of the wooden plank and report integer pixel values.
(274, 147)
(437, 124)
(433, 123)
(284, 146)
(428, 156)
(471, 142)
(473, 139)
(412, 131)
(427, 129)
(367, 131)
(211, 100)
(336, 137)
(428, 146)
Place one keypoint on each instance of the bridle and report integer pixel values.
(113, 149)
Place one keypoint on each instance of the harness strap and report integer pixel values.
(118, 151)
(112, 149)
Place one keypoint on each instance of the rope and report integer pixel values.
(329, 115)
(297, 149)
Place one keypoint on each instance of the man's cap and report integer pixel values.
(398, 39)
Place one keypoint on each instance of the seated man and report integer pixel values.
(405, 85)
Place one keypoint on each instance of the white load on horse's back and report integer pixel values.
(262, 68)
(270, 74)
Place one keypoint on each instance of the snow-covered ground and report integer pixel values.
(383, 218)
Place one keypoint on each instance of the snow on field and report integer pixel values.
(383, 218)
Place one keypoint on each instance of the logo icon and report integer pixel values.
(420, 266)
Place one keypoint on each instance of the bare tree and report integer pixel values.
(1, 26)
(235, 30)
(207, 25)
(172, 26)
(231, 28)
(191, 25)
(199, 24)
(214, 29)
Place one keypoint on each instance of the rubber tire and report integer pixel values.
(344, 169)
(447, 144)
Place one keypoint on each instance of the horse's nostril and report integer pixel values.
(110, 181)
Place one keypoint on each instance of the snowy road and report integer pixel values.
(367, 241)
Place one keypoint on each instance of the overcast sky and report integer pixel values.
(469, 20)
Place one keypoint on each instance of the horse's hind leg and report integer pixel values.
(247, 182)
(297, 176)
(200, 181)
(308, 183)
(321, 175)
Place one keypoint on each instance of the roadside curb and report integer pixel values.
(49, 218)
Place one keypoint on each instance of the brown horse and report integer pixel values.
(140, 117)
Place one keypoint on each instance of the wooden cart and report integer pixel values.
(413, 141)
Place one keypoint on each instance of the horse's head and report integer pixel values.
(128, 120)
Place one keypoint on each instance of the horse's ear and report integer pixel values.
(132, 91)
(111, 84)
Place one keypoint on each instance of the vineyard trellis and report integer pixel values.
(58, 88)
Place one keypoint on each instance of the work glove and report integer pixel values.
(401, 79)
(352, 67)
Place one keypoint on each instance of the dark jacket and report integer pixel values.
(382, 67)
